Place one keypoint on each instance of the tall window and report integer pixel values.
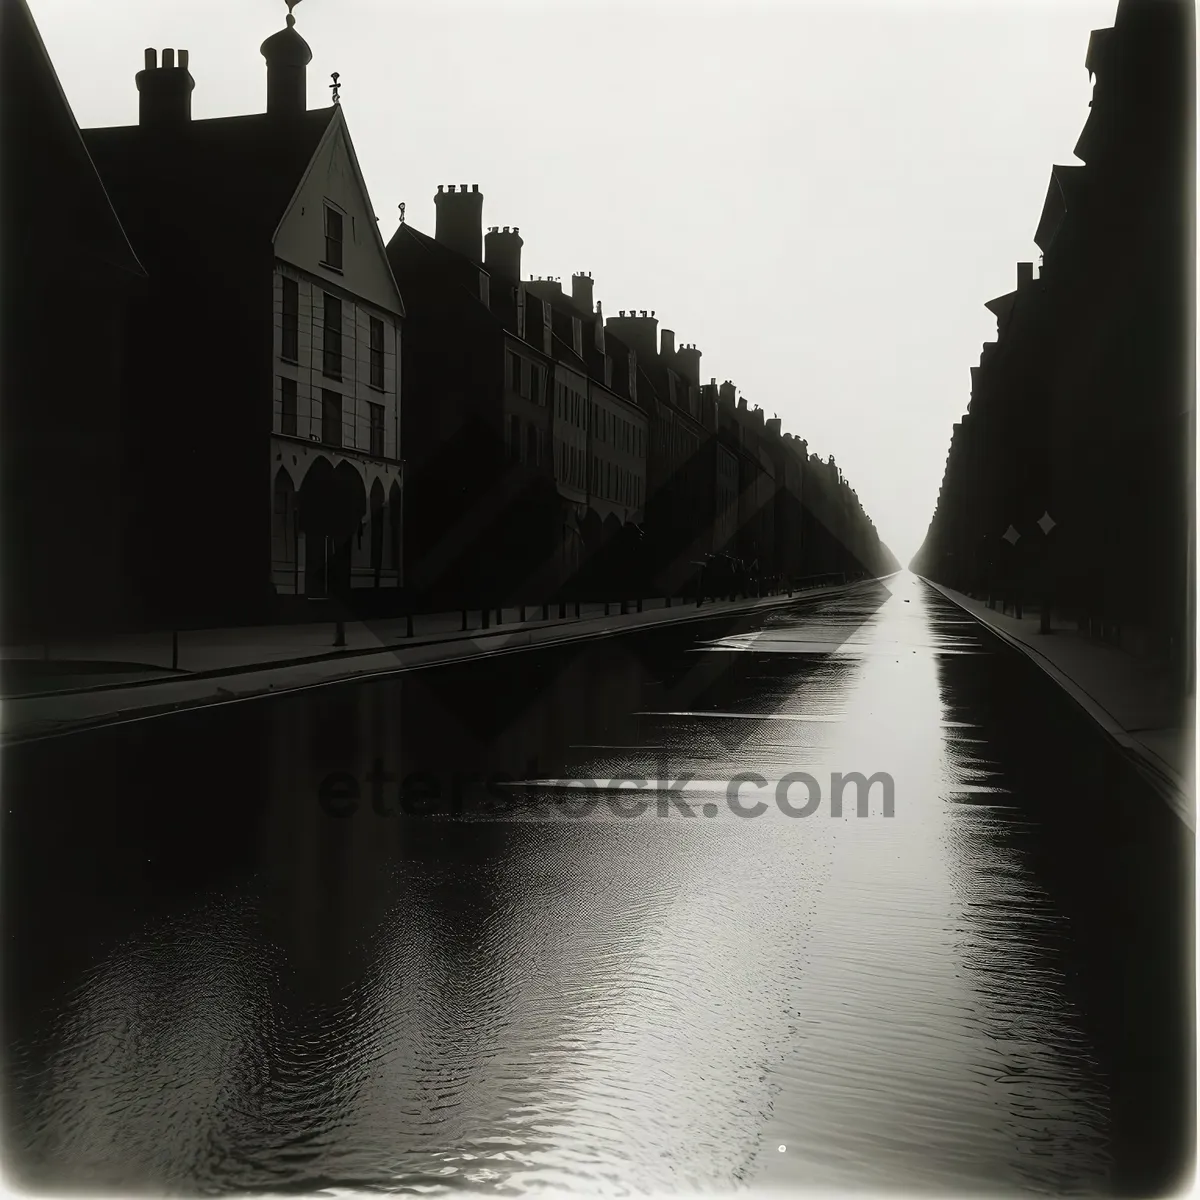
(377, 353)
(290, 345)
(514, 371)
(287, 422)
(333, 238)
(537, 392)
(331, 417)
(332, 341)
(375, 412)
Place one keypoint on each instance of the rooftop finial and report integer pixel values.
(335, 87)
(401, 212)
(290, 19)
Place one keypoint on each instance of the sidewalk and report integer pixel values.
(219, 666)
(1128, 696)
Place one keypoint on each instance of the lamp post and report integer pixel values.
(1046, 523)
(1012, 537)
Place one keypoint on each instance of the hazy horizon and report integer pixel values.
(822, 199)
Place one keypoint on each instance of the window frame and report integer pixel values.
(327, 397)
(288, 414)
(331, 349)
(378, 362)
(376, 424)
(334, 261)
(290, 322)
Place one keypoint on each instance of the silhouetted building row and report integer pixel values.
(1069, 482)
(554, 453)
(267, 428)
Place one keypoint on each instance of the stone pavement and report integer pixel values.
(221, 666)
(1129, 697)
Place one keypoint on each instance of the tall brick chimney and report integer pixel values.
(460, 220)
(687, 360)
(165, 92)
(581, 291)
(502, 252)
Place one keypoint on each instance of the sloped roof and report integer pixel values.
(1062, 196)
(45, 166)
(439, 270)
(208, 180)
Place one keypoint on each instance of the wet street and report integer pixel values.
(415, 934)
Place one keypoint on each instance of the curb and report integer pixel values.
(1165, 780)
(518, 640)
(178, 676)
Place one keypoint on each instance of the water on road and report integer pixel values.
(585, 919)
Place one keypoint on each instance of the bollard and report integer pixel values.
(339, 637)
(174, 649)
(486, 615)
(668, 603)
(464, 621)
(577, 610)
(624, 608)
(500, 616)
(562, 610)
(545, 612)
(408, 626)
(522, 614)
(639, 604)
(606, 608)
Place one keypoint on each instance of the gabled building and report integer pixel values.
(262, 419)
(70, 276)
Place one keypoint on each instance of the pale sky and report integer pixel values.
(821, 196)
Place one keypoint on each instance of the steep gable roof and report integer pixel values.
(207, 182)
(46, 169)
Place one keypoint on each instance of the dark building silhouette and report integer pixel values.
(1070, 478)
(476, 413)
(70, 277)
(260, 415)
(237, 455)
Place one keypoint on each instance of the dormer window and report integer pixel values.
(333, 238)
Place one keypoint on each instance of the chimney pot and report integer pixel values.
(183, 60)
(474, 187)
(168, 59)
(151, 58)
(463, 187)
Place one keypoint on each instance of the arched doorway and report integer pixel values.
(332, 506)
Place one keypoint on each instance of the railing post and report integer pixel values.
(174, 649)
